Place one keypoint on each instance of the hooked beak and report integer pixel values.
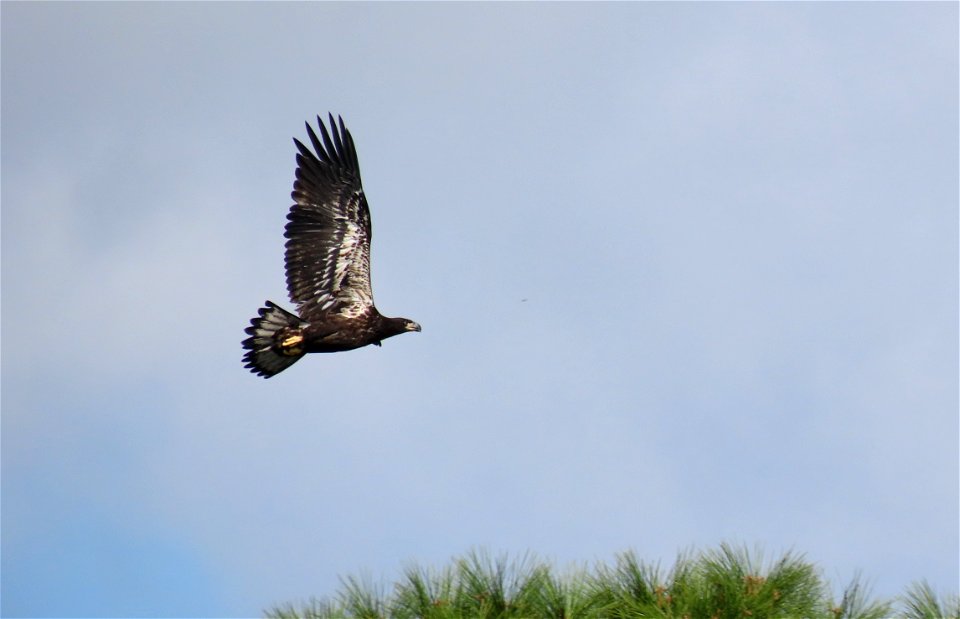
(412, 326)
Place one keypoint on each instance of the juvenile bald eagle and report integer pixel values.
(328, 264)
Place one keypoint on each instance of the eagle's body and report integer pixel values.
(328, 264)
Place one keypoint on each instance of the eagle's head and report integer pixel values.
(395, 326)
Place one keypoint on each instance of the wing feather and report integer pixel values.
(328, 230)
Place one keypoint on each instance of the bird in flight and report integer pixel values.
(327, 261)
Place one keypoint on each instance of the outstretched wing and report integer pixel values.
(328, 232)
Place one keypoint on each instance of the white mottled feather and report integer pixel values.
(328, 247)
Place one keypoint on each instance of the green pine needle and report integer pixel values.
(728, 582)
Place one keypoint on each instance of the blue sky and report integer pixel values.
(687, 273)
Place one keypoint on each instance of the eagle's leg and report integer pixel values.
(290, 342)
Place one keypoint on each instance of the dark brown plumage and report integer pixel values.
(328, 263)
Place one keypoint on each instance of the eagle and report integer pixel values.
(327, 263)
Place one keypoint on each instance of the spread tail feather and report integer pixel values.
(268, 352)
